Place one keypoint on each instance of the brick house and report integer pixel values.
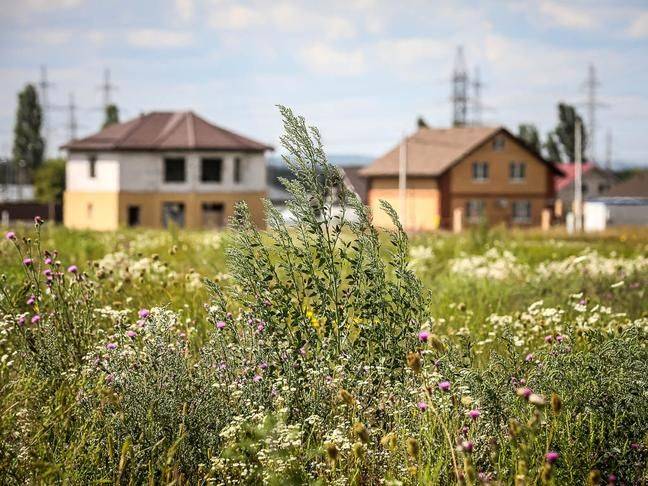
(162, 168)
(486, 172)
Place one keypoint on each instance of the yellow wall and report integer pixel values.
(151, 206)
(109, 210)
(422, 202)
(90, 210)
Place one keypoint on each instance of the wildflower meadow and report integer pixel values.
(327, 351)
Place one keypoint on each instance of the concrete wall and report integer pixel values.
(91, 210)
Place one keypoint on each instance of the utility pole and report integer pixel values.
(44, 85)
(402, 181)
(578, 179)
(591, 85)
(476, 101)
(459, 90)
(72, 121)
(107, 88)
(608, 150)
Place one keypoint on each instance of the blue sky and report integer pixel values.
(361, 70)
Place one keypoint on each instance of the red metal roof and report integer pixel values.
(560, 182)
(166, 131)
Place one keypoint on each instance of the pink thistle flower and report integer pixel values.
(38, 220)
(524, 392)
(10, 235)
(48, 261)
(467, 446)
(423, 336)
(474, 414)
(27, 262)
(549, 338)
(552, 457)
(111, 346)
(444, 386)
(131, 334)
(31, 300)
(260, 327)
(47, 272)
(220, 325)
(21, 321)
(143, 313)
(302, 351)
(528, 358)
(263, 366)
(422, 406)
(559, 338)
(36, 319)
(612, 478)
(73, 269)
(256, 379)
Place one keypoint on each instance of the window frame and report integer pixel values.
(208, 206)
(204, 161)
(517, 218)
(517, 171)
(92, 167)
(138, 209)
(166, 162)
(480, 171)
(238, 170)
(481, 210)
(499, 142)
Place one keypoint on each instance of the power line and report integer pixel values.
(107, 88)
(72, 121)
(459, 90)
(476, 99)
(591, 85)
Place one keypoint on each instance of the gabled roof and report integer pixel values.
(432, 151)
(636, 186)
(166, 131)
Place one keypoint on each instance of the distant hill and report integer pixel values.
(336, 159)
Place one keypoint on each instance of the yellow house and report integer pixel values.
(478, 173)
(162, 168)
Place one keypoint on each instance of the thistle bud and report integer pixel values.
(361, 431)
(332, 452)
(436, 343)
(358, 450)
(414, 361)
(514, 428)
(412, 448)
(556, 403)
(389, 441)
(346, 397)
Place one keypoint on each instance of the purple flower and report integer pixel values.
(260, 327)
(131, 334)
(47, 272)
(549, 338)
(528, 358)
(38, 220)
(48, 261)
(21, 321)
(474, 414)
(111, 346)
(73, 269)
(10, 235)
(263, 366)
(612, 478)
(422, 406)
(559, 338)
(31, 300)
(256, 379)
(444, 386)
(524, 392)
(551, 457)
(36, 319)
(143, 313)
(27, 262)
(220, 325)
(423, 336)
(467, 446)
(634, 446)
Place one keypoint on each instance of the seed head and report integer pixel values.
(414, 361)
(332, 451)
(594, 478)
(412, 446)
(346, 397)
(556, 403)
(389, 441)
(537, 400)
(361, 431)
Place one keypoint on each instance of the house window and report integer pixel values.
(584, 189)
(210, 170)
(213, 215)
(238, 170)
(92, 167)
(474, 209)
(498, 142)
(480, 171)
(133, 215)
(517, 171)
(521, 211)
(602, 187)
(174, 169)
(173, 213)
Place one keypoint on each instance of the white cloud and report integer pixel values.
(44, 5)
(639, 27)
(409, 52)
(235, 17)
(159, 38)
(185, 9)
(565, 15)
(324, 59)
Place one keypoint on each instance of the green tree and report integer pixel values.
(28, 145)
(552, 148)
(112, 115)
(566, 131)
(49, 181)
(529, 134)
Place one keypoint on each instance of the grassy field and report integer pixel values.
(324, 353)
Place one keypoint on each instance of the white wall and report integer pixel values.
(144, 172)
(77, 173)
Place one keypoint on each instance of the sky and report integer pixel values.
(360, 70)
